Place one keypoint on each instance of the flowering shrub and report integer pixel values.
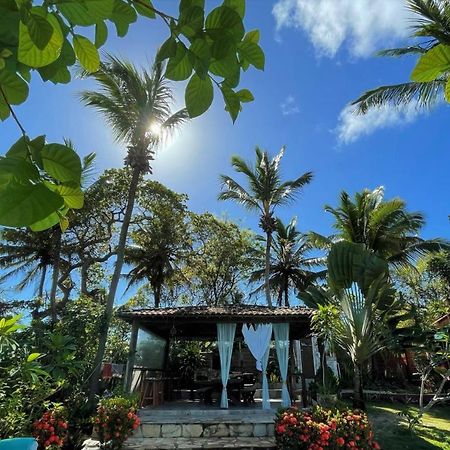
(50, 430)
(115, 421)
(321, 429)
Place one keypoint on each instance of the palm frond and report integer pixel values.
(396, 52)
(423, 95)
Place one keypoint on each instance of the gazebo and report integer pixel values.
(255, 324)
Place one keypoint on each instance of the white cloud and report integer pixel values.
(289, 106)
(363, 26)
(352, 126)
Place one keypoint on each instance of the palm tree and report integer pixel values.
(266, 192)
(353, 310)
(138, 107)
(153, 258)
(290, 267)
(383, 226)
(433, 28)
(24, 252)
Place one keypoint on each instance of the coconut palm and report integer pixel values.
(138, 107)
(383, 226)
(432, 27)
(266, 192)
(290, 265)
(26, 254)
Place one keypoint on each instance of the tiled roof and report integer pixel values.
(211, 312)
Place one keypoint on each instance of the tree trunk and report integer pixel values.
(267, 269)
(114, 283)
(358, 396)
(42, 281)
(55, 274)
(157, 295)
(286, 293)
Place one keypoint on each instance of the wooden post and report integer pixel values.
(131, 357)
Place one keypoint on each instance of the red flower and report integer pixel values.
(281, 429)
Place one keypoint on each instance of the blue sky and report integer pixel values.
(319, 57)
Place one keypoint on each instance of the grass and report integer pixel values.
(391, 431)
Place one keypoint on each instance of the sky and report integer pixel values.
(319, 57)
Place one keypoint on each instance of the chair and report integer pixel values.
(152, 391)
(249, 389)
(25, 443)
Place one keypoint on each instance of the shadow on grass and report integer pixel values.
(391, 433)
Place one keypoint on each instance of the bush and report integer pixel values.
(115, 421)
(51, 429)
(321, 429)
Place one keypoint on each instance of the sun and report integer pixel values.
(155, 128)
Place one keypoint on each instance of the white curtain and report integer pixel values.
(258, 341)
(225, 341)
(265, 383)
(281, 332)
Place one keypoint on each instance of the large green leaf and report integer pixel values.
(86, 12)
(199, 95)
(15, 90)
(350, 263)
(147, 10)
(101, 34)
(16, 170)
(179, 66)
(61, 163)
(200, 55)
(236, 5)
(167, 50)
(49, 221)
(123, 15)
(224, 20)
(232, 103)
(22, 205)
(251, 52)
(30, 54)
(191, 21)
(73, 196)
(19, 149)
(57, 71)
(432, 64)
(86, 53)
(40, 29)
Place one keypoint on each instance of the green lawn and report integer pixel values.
(392, 432)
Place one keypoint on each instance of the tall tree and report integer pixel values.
(220, 260)
(430, 76)
(383, 226)
(265, 192)
(290, 265)
(158, 247)
(138, 107)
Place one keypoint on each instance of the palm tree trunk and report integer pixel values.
(358, 396)
(267, 269)
(42, 281)
(286, 293)
(157, 294)
(55, 274)
(94, 383)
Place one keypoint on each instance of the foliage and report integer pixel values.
(186, 358)
(219, 260)
(24, 384)
(266, 192)
(51, 429)
(362, 297)
(45, 38)
(115, 421)
(322, 428)
(383, 226)
(290, 265)
(429, 79)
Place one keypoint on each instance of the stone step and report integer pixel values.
(204, 430)
(212, 443)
